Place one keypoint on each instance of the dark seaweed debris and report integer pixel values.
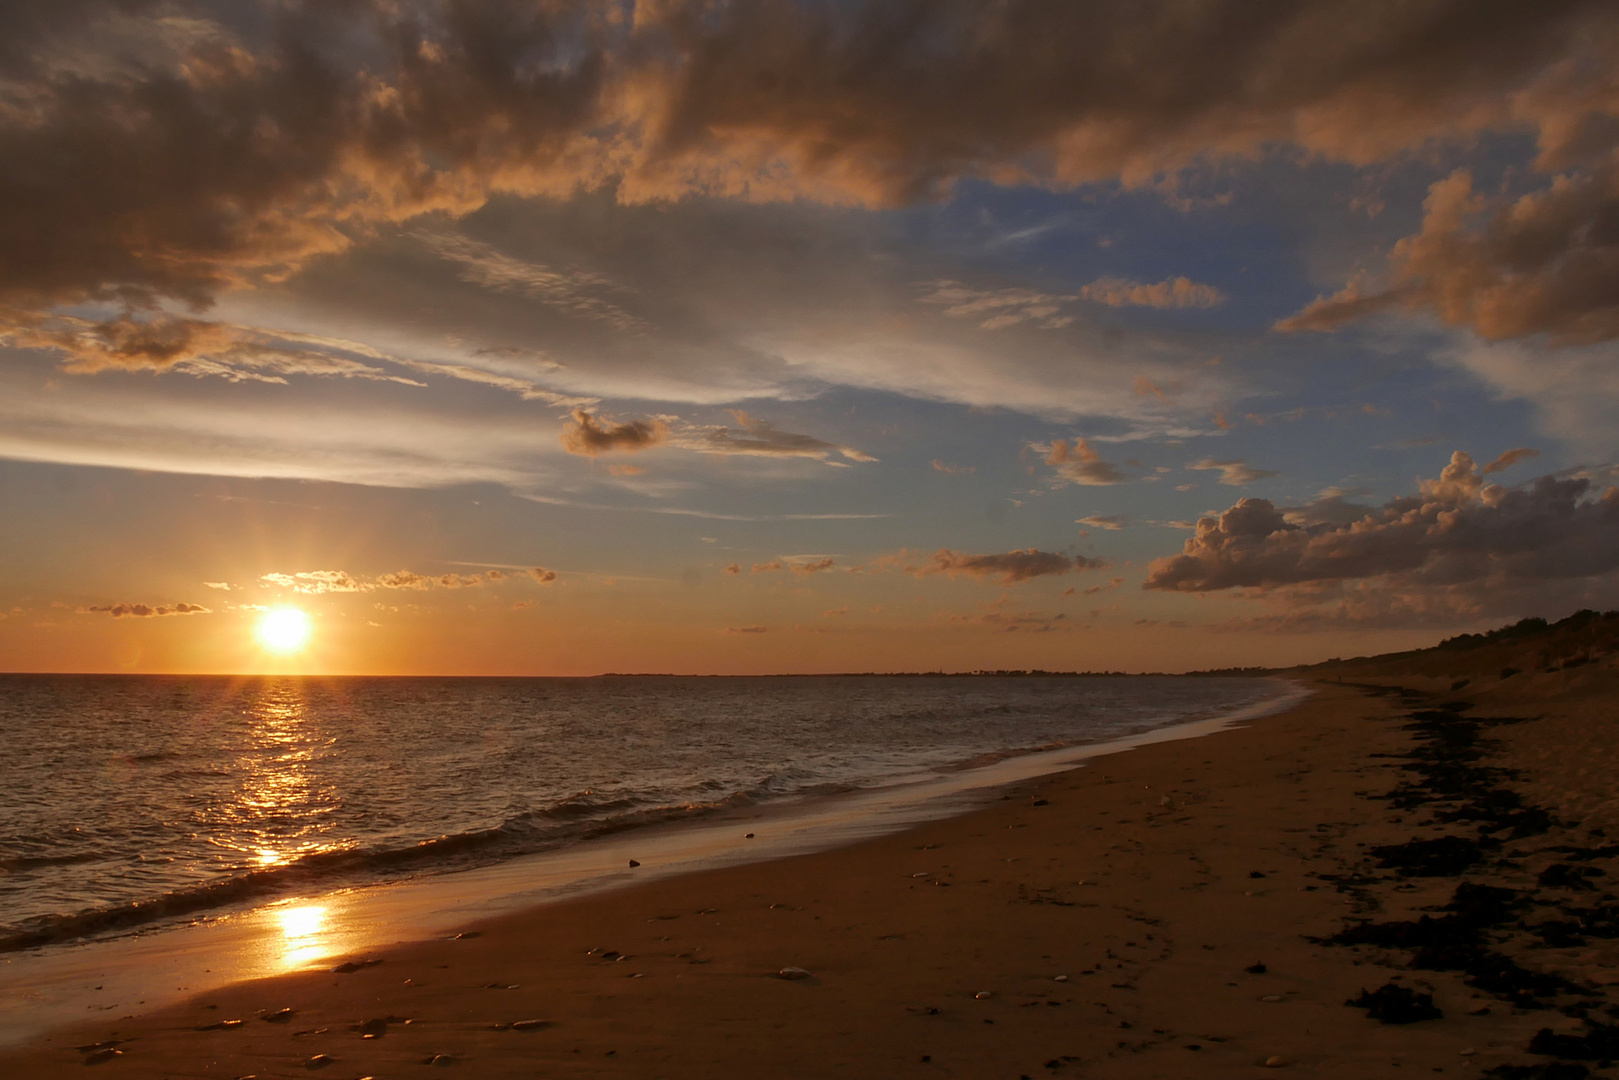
(1460, 941)
(1392, 1003)
(1441, 856)
(1550, 1070)
(1600, 1042)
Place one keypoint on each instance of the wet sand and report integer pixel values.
(1160, 913)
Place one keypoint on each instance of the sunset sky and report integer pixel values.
(561, 338)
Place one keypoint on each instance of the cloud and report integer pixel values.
(574, 292)
(543, 576)
(307, 124)
(1177, 292)
(733, 569)
(1008, 567)
(953, 470)
(1079, 463)
(1509, 459)
(221, 585)
(458, 581)
(1233, 473)
(797, 564)
(403, 579)
(1543, 263)
(747, 629)
(762, 439)
(159, 342)
(148, 611)
(316, 582)
(1103, 521)
(1113, 583)
(586, 435)
(996, 309)
(1458, 531)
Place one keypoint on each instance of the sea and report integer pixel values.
(128, 803)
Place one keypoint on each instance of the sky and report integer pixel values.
(559, 338)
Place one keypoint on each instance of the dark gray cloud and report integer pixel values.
(1007, 567)
(1458, 531)
(228, 143)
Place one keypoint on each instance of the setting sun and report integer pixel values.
(283, 630)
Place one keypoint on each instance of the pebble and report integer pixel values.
(1271, 997)
(982, 994)
(103, 1055)
(634, 863)
(1468, 1052)
(792, 973)
(319, 1061)
(440, 1060)
(280, 1016)
(1061, 978)
(1275, 1061)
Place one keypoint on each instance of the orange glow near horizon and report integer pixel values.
(284, 630)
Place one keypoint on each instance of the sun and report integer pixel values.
(283, 629)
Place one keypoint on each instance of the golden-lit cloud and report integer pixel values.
(588, 436)
(1079, 463)
(148, 611)
(1543, 263)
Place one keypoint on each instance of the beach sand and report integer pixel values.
(1149, 915)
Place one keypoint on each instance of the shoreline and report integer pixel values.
(1163, 913)
(42, 988)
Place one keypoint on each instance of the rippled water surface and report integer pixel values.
(129, 799)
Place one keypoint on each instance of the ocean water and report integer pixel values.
(127, 801)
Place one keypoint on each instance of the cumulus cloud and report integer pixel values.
(953, 470)
(762, 439)
(1457, 531)
(1233, 473)
(1006, 567)
(148, 611)
(403, 579)
(588, 436)
(1079, 463)
(543, 576)
(1103, 521)
(746, 629)
(1545, 262)
(316, 582)
(305, 124)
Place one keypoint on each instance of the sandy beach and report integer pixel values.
(1164, 912)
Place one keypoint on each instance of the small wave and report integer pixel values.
(582, 816)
